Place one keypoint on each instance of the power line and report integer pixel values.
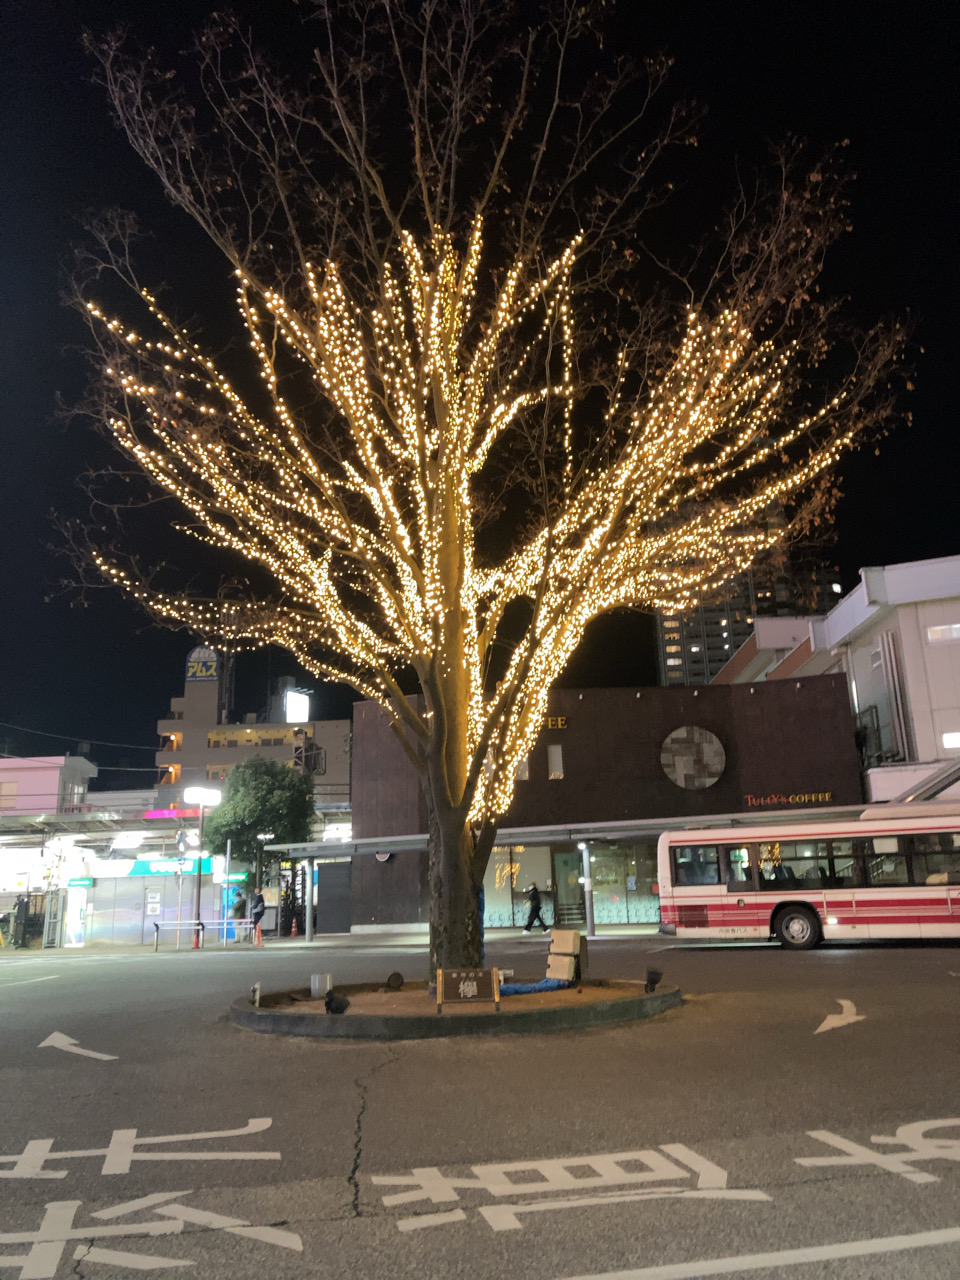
(45, 760)
(71, 737)
(131, 768)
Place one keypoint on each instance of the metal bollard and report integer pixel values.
(156, 936)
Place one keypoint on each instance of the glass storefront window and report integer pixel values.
(608, 872)
(622, 874)
(510, 871)
(533, 863)
(498, 886)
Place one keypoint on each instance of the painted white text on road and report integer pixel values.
(124, 1147)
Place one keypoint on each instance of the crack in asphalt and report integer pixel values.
(85, 1245)
(353, 1177)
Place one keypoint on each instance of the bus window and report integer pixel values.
(846, 871)
(736, 869)
(886, 866)
(696, 864)
(801, 865)
(935, 856)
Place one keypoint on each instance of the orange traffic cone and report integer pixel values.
(257, 936)
(294, 932)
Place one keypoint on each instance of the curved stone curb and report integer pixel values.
(420, 1027)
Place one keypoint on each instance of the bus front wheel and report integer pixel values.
(797, 928)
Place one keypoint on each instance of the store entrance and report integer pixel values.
(569, 905)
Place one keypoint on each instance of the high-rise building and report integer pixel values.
(693, 645)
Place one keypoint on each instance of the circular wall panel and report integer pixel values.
(692, 757)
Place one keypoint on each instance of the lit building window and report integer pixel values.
(951, 741)
(554, 761)
(674, 662)
(694, 648)
(944, 633)
(673, 648)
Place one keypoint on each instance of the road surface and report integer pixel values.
(799, 1117)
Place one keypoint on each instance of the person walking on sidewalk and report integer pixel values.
(257, 909)
(533, 897)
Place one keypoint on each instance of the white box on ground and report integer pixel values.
(565, 942)
(320, 984)
(562, 967)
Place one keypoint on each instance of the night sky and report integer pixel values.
(885, 77)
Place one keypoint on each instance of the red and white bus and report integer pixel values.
(894, 873)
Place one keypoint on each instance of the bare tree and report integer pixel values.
(489, 408)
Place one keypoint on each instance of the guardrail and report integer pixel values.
(218, 926)
(191, 925)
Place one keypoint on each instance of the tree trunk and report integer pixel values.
(455, 940)
(458, 859)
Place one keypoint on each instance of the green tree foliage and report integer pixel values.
(260, 796)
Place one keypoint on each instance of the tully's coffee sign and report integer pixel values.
(778, 799)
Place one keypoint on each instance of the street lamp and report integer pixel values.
(206, 798)
(587, 879)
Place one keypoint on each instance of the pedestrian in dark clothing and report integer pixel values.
(533, 897)
(257, 908)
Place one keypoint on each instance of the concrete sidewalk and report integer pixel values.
(385, 939)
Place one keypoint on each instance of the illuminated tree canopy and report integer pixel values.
(490, 406)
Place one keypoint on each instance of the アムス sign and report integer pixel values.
(203, 663)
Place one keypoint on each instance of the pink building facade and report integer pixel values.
(44, 784)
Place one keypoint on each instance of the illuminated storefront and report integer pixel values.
(623, 874)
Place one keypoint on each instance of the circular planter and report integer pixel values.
(594, 1005)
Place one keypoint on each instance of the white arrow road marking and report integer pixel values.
(847, 1015)
(59, 1041)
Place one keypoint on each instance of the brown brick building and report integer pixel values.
(628, 757)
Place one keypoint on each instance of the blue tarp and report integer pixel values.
(524, 988)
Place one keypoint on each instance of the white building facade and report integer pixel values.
(896, 637)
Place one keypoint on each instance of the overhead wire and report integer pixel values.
(73, 737)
